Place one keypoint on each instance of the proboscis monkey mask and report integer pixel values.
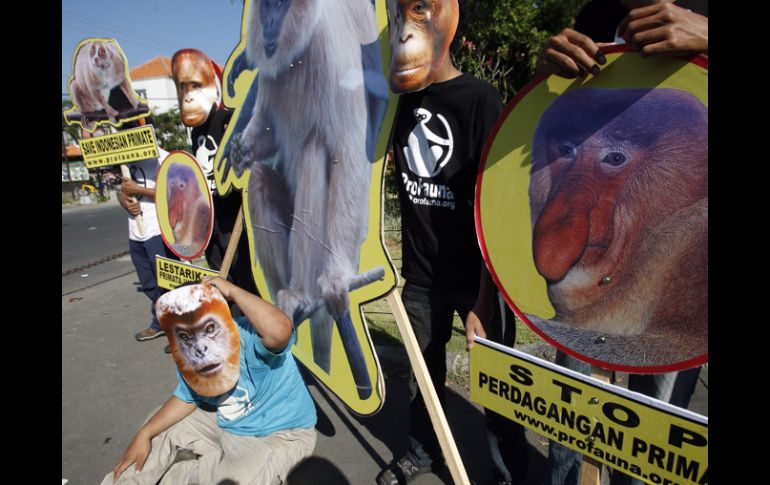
(420, 34)
(198, 83)
(203, 337)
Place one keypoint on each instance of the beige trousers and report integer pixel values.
(244, 460)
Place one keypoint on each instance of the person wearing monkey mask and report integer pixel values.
(198, 82)
(240, 403)
(441, 125)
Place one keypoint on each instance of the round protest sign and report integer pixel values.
(184, 205)
(592, 211)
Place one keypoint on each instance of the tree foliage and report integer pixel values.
(169, 131)
(499, 40)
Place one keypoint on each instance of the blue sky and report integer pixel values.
(148, 28)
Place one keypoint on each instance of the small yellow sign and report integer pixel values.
(638, 435)
(123, 147)
(172, 274)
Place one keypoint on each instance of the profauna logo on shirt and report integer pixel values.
(427, 152)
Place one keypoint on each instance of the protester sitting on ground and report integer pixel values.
(240, 403)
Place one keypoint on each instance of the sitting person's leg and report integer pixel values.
(248, 459)
(198, 432)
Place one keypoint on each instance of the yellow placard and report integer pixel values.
(640, 436)
(123, 147)
(297, 167)
(172, 274)
(611, 303)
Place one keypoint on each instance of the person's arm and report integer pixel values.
(133, 189)
(478, 318)
(129, 203)
(270, 322)
(570, 54)
(173, 411)
(665, 28)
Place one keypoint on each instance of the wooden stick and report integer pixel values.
(440, 425)
(232, 245)
(139, 219)
(590, 469)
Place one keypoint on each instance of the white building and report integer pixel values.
(153, 82)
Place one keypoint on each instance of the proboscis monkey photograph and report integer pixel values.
(203, 338)
(100, 70)
(421, 33)
(305, 135)
(185, 212)
(619, 207)
(592, 211)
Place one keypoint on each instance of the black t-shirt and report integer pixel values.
(209, 134)
(438, 140)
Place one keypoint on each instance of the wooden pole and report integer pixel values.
(590, 469)
(232, 245)
(440, 425)
(139, 219)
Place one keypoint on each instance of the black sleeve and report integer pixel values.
(488, 110)
(599, 19)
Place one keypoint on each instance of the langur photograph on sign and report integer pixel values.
(306, 150)
(100, 86)
(613, 266)
(184, 205)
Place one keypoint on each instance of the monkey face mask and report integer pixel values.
(203, 337)
(420, 34)
(198, 85)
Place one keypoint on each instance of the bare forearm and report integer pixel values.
(173, 411)
(486, 290)
(269, 321)
(144, 192)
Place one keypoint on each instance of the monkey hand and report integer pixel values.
(136, 453)
(88, 123)
(292, 303)
(570, 54)
(240, 153)
(665, 28)
(334, 283)
(112, 113)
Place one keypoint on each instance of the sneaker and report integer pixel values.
(167, 349)
(149, 334)
(400, 472)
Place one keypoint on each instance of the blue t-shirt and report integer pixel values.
(270, 395)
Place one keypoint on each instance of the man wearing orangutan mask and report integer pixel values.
(198, 83)
(442, 122)
(262, 422)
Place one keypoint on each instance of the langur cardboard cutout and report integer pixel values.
(203, 337)
(184, 206)
(421, 32)
(100, 86)
(592, 211)
(306, 150)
